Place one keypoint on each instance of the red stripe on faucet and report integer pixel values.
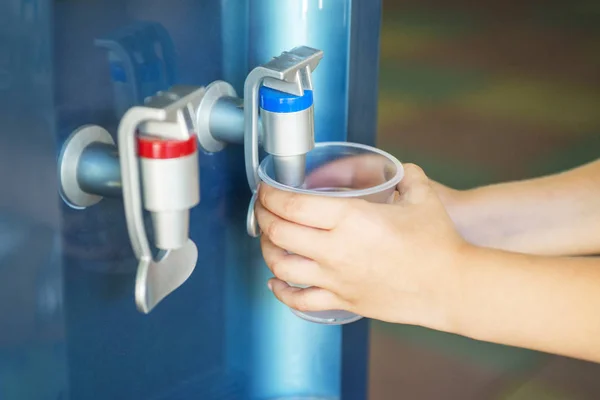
(156, 148)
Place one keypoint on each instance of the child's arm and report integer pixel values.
(553, 215)
(550, 304)
(406, 263)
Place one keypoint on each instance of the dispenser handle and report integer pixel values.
(130, 176)
(251, 223)
(291, 73)
(155, 279)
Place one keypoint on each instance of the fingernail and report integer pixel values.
(270, 285)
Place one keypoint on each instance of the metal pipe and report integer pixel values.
(226, 120)
(98, 170)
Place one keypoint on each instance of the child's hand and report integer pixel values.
(399, 262)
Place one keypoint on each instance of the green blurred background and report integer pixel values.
(475, 93)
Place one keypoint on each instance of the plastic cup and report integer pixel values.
(345, 170)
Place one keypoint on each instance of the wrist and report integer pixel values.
(462, 207)
(461, 285)
(478, 278)
(451, 282)
(476, 217)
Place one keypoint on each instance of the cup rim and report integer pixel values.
(390, 183)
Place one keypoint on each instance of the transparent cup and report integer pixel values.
(344, 170)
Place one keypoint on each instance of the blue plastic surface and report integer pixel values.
(67, 276)
(280, 102)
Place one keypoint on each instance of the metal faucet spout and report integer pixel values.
(290, 170)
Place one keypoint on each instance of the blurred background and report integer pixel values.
(475, 93)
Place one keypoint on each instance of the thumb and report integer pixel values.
(414, 186)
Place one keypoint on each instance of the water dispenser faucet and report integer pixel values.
(277, 112)
(288, 124)
(156, 169)
(283, 87)
(280, 92)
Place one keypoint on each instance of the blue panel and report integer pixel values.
(363, 79)
(66, 275)
(310, 354)
(362, 128)
(114, 352)
(33, 361)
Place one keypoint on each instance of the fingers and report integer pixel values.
(303, 240)
(309, 299)
(414, 186)
(315, 211)
(356, 172)
(292, 268)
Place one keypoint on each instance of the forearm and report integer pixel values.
(554, 215)
(550, 304)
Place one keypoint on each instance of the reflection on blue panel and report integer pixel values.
(293, 356)
(141, 59)
(66, 275)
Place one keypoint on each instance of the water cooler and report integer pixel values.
(130, 134)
